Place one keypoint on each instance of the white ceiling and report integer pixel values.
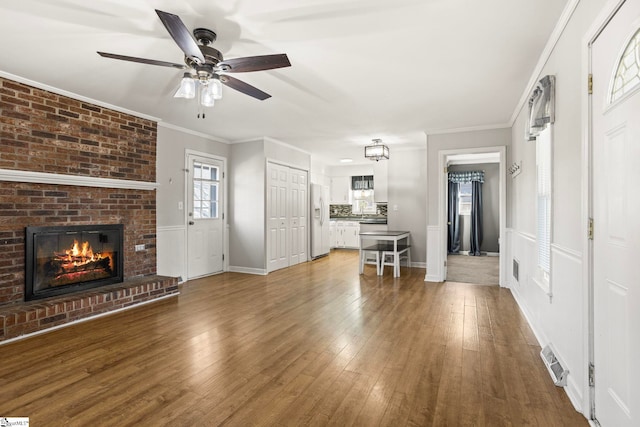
(361, 69)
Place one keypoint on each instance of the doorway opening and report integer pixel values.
(473, 215)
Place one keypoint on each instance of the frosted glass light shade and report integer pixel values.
(216, 87)
(187, 87)
(207, 96)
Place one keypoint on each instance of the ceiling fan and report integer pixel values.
(205, 65)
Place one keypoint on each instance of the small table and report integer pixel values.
(393, 236)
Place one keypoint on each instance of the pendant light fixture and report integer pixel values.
(376, 151)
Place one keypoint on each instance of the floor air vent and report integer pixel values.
(557, 372)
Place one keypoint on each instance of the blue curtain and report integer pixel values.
(453, 244)
(476, 218)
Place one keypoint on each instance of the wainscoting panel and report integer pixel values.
(558, 319)
(566, 279)
(435, 263)
(172, 251)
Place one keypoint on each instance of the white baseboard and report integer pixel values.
(247, 270)
(432, 278)
(419, 264)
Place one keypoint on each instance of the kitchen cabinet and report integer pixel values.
(340, 188)
(347, 234)
(332, 234)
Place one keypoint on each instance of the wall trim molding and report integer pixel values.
(248, 270)
(418, 265)
(193, 132)
(523, 234)
(469, 129)
(434, 260)
(562, 23)
(574, 255)
(171, 228)
(75, 96)
(77, 180)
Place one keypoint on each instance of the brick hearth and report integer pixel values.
(30, 317)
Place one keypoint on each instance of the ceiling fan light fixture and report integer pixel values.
(207, 96)
(187, 87)
(216, 87)
(376, 151)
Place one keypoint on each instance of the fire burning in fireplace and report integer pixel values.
(80, 263)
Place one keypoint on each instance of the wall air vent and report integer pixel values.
(557, 372)
(516, 269)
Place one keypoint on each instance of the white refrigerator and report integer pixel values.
(319, 220)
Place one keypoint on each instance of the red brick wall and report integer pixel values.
(44, 132)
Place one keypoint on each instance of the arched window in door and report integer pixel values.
(627, 75)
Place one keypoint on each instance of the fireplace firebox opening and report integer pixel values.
(65, 259)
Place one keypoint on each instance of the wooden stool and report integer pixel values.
(404, 252)
(370, 255)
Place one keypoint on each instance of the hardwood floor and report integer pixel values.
(314, 344)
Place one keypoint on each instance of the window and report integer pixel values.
(543, 202)
(464, 198)
(627, 75)
(363, 202)
(205, 191)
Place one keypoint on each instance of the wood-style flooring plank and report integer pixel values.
(314, 344)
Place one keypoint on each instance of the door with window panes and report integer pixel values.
(205, 216)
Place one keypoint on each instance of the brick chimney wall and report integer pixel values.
(41, 131)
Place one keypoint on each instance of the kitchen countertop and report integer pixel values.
(360, 219)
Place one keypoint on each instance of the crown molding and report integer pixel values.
(563, 21)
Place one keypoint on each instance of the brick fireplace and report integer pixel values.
(65, 162)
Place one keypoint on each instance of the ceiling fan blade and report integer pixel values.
(142, 60)
(181, 36)
(243, 87)
(255, 63)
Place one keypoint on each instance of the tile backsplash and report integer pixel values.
(344, 211)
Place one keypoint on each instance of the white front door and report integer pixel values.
(277, 216)
(205, 241)
(616, 205)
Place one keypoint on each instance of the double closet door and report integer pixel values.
(287, 207)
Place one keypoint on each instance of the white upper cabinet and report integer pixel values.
(340, 187)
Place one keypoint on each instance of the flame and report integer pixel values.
(81, 256)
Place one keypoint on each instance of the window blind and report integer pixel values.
(543, 220)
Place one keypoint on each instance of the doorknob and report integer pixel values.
(191, 222)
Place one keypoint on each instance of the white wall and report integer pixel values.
(407, 180)
(171, 228)
(247, 207)
(562, 318)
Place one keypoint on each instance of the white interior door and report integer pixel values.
(616, 244)
(277, 216)
(205, 240)
(298, 216)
